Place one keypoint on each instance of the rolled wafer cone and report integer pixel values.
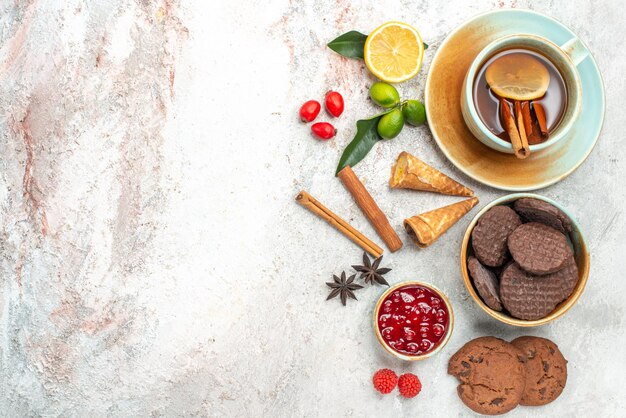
(411, 173)
(424, 229)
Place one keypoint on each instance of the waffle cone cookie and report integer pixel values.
(424, 229)
(411, 173)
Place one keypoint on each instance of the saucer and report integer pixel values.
(443, 106)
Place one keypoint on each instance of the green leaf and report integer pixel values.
(365, 138)
(350, 44)
(425, 46)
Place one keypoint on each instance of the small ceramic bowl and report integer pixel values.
(581, 254)
(443, 340)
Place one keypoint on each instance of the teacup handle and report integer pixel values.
(575, 49)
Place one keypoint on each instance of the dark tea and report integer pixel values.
(542, 114)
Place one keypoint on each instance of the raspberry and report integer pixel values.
(385, 380)
(409, 385)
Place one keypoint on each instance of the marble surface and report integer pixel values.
(153, 261)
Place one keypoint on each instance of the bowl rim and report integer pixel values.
(581, 253)
(442, 343)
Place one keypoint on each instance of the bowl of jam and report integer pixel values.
(413, 320)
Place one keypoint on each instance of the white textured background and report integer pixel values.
(153, 261)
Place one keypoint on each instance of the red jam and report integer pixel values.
(413, 320)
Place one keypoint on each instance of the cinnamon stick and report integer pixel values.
(520, 125)
(527, 117)
(369, 207)
(541, 118)
(511, 130)
(342, 226)
(535, 137)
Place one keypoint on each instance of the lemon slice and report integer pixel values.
(394, 52)
(518, 77)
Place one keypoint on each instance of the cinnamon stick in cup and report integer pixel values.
(531, 126)
(339, 224)
(527, 117)
(519, 119)
(369, 207)
(541, 118)
(511, 129)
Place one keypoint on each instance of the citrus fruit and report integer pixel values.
(414, 112)
(518, 77)
(384, 95)
(393, 52)
(390, 124)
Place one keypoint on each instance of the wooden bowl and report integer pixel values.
(443, 342)
(581, 254)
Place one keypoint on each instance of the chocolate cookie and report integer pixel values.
(527, 296)
(546, 370)
(568, 276)
(492, 375)
(538, 248)
(489, 237)
(486, 283)
(535, 210)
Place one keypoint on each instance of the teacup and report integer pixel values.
(565, 58)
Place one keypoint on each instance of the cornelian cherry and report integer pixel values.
(323, 130)
(309, 110)
(334, 103)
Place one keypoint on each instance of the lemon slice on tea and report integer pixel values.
(518, 77)
(394, 52)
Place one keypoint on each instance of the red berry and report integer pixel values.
(323, 130)
(409, 385)
(310, 110)
(334, 103)
(385, 380)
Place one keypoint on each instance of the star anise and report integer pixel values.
(343, 287)
(370, 271)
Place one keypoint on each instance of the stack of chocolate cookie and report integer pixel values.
(523, 262)
(496, 376)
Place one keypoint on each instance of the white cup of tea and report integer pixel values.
(564, 58)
